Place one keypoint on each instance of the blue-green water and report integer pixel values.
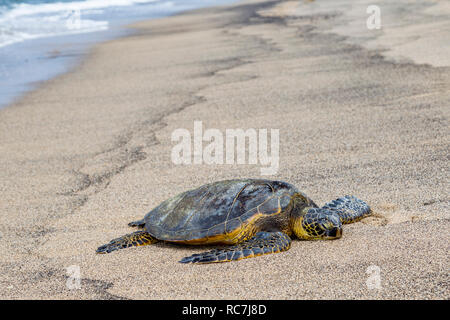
(12, 2)
(40, 39)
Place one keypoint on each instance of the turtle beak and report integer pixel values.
(335, 233)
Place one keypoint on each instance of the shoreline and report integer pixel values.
(52, 56)
(53, 62)
(89, 151)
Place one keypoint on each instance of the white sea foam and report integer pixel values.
(23, 9)
(30, 21)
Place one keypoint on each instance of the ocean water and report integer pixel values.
(40, 39)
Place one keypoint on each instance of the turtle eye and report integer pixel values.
(332, 221)
(327, 225)
(335, 220)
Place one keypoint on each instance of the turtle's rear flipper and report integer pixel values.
(138, 238)
(262, 243)
(349, 208)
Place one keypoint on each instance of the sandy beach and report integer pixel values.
(359, 111)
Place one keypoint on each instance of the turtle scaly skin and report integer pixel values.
(135, 239)
(262, 243)
(253, 216)
(349, 208)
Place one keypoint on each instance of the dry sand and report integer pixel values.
(89, 152)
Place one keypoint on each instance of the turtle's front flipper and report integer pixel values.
(138, 238)
(349, 208)
(262, 243)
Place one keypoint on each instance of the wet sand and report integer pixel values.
(90, 151)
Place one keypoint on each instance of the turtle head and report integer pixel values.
(312, 223)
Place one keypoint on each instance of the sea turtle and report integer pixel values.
(253, 216)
